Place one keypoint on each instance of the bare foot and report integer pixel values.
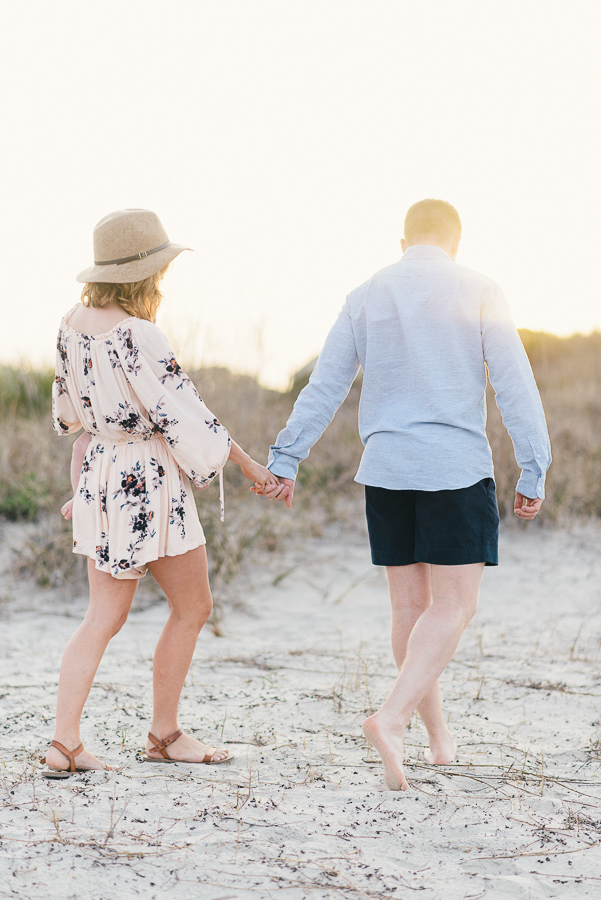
(187, 749)
(55, 759)
(389, 744)
(442, 751)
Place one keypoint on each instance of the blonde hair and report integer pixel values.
(432, 217)
(140, 298)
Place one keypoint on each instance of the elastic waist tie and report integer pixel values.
(148, 436)
(221, 495)
(131, 439)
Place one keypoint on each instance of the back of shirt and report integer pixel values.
(424, 330)
(417, 328)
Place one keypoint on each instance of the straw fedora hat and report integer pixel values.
(129, 245)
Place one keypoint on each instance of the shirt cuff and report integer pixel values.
(281, 465)
(531, 485)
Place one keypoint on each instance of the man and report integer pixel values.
(425, 330)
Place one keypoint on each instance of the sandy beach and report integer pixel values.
(302, 812)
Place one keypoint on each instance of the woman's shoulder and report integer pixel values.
(68, 314)
(144, 329)
(147, 336)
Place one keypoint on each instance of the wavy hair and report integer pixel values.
(140, 298)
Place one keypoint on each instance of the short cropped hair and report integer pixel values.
(140, 298)
(432, 217)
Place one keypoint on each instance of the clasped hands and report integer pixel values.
(276, 489)
(266, 484)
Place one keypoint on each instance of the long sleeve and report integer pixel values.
(65, 420)
(199, 443)
(316, 405)
(516, 392)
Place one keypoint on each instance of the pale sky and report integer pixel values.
(284, 141)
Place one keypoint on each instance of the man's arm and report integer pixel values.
(317, 403)
(518, 400)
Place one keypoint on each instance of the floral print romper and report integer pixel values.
(151, 436)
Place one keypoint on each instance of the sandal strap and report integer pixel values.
(159, 746)
(70, 754)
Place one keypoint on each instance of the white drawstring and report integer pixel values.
(221, 495)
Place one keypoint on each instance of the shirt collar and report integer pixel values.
(425, 251)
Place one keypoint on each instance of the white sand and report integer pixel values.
(302, 811)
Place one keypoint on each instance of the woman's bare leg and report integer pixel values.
(185, 582)
(410, 596)
(110, 602)
(430, 648)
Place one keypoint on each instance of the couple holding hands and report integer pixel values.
(425, 331)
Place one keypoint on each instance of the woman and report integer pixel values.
(147, 435)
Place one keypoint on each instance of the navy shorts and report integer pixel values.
(444, 528)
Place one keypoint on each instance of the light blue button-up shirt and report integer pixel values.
(424, 330)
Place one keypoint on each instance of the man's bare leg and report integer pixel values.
(431, 646)
(410, 596)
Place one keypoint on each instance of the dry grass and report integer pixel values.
(34, 467)
(34, 461)
(568, 373)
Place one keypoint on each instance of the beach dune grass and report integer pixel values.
(34, 461)
(24, 391)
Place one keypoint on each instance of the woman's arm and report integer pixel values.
(77, 456)
(262, 477)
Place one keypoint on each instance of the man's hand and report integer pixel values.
(526, 507)
(284, 490)
(289, 485)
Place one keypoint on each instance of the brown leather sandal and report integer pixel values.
(52, 772)
(159, 747)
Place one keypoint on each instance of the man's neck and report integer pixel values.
(451, 246)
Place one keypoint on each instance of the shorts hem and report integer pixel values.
(140, 570)
(383, 558)
(464, 557)
(487, 555)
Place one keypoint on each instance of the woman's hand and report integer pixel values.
(265, 482)
(262, 477)
(284, 491)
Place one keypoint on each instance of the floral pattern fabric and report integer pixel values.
(151, 436)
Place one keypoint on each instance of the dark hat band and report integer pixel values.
(126, 259)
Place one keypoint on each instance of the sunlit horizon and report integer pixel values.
(192, 361)
(284, 143)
